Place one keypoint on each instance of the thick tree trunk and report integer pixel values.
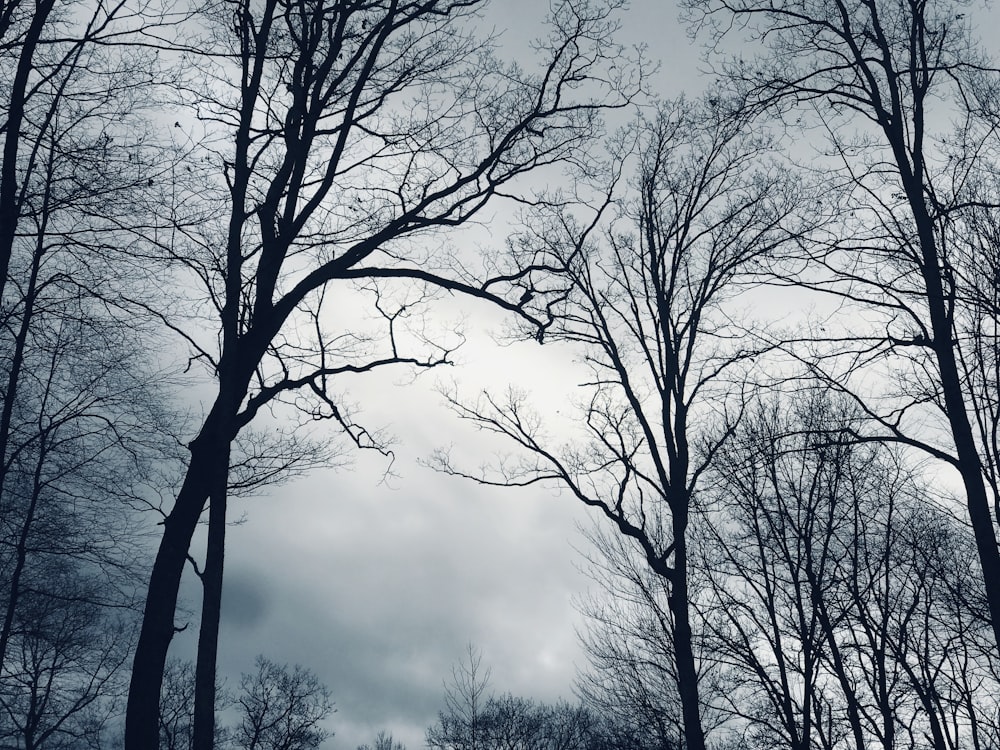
(143, 709)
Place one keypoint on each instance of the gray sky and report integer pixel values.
(379, 587)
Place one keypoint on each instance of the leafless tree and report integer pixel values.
(337, 134)
(80, 431)
(473, 719)
(834, 610)
(383, 741)
(71, 78)
(648, 308)
(282, 708)
(177, 706)
(63, 683)
(878, 78)
(628, 639)
(79, 455)
(462, 721)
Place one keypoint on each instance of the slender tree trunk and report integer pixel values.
(17, 102)
(6, 415)
(839, 669)
(687, 673)
(967, 452)
(21, 551)
(211, 611)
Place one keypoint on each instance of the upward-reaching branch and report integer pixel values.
(900, 66)
(647, 304)
(354, 131)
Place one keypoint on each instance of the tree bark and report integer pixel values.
(687, 672)
(157, 631)
(211, 612)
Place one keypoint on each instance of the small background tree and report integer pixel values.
(281, 708)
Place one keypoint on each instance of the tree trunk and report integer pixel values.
(967, 452)
(18, 97)
(13, 593)
(143, 708)
(211, 611)
(6, 415)
(687, 673)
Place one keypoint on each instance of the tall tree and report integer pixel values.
(879, 77)
(839, 605)
(462, 723)
(80, 433)
(338, 133)
(646, 304)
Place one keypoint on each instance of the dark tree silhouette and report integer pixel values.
(876, 76)
(834, 609)
(383, 741)
(340, 133)
(81, 433)
(628, 640)
(473, 719)
(646, 305)
(281, 708)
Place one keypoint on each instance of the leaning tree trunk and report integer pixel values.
(969, 462)
(143, 711)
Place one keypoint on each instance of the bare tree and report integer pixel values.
(473, 719)
(78, 453)
(833, 608)
(463, 721)
(839, 605)
(177, 706)
(282, 709)
(628, 639)
(875, 76)
(58, 109)
(63, 676)
(80, 433)
(779, 547)
(383, 741)
(646, 307)
(338, 134)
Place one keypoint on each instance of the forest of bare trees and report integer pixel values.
(782, 290)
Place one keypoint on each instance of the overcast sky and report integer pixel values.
(379, 587)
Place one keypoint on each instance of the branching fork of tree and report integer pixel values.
(339, 136)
